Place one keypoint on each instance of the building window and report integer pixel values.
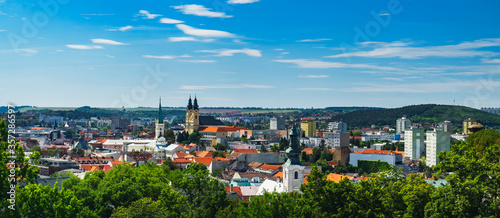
(296, 175)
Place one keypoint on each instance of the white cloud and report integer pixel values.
(203, 32)
(492, 61)
(317, 64)
(110, 56)
(199, 61)
(125, 28)
(314, 40)
(236, 86)
(84, 46)
(188, 38)
(166, 56)
(147, 15)
(3, 30)
(314, 89)
(200, 10)
(313, 76)
(385, 14)
(231, 52)
(107, 42)
(403, 51)
(241, 1)
(284, 53)
(170, 21)
(278, 49)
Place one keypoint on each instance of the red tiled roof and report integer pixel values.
(221, 129)
(140, 157)
(255, 164)
(246, 150)
(107, 168)
(181, 154)
(279, 175)
(182, 160)
(308, 151)
(270, 167)
(235, 189)
(205, 154)
(203, 160)
(367, 151)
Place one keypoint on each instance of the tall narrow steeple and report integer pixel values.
(195, 103)
(293, 152)
(190, 104)
(160, 113)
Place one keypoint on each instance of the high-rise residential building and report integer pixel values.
(466, 124)
(277, 123)
(446, 126)
(414, 143)
(340, 126)
(403, 124)
(336, 139)
(436, 142)
(309, 127)
(119, 124)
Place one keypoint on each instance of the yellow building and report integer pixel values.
(466, 124)
(309, 127)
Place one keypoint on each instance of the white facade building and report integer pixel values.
(414, 143)
(436, 142)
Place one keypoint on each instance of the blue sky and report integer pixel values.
(241, 53)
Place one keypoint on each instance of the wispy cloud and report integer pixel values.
(188, 38)
(235, 86)
(94, 14)
(198, 61)
(2, 30)
(110, 56)
(492, 61)
(241, 1)
(384, 14)
(200, 10)
(317, 64)
(314, 40)
(231, 52)
(84, 47)
(166, 56)
(278, 49)
(125, 28)
(107, 42)
(404, 51)
(313, 76)
(146, 15)
(204, 32)
(170, 21)
(313, 89)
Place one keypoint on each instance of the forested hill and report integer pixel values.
(430, 113)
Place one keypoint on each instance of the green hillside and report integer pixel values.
(426, 113)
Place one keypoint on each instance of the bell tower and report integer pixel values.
(293, 170)
(192, 116)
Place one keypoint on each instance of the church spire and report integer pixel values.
(190, 104)
(195, 103)
(293, 152)
(160, 113)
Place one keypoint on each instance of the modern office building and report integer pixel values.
(309, 127)
(436, 141)
(446, 126)
(466, 124)
(341, 126)
(403, 124)
(277, 123)
(414, 143)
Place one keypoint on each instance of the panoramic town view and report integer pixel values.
(249, 108)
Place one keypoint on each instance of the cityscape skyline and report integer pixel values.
(250, 53)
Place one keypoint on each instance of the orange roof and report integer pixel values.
(203, 160)
(255, 164)
(205, 154)
(368, 151)
(336, 177)
(115, 162)
(37, 127)
(220, 159)
(246, 150)
(235, 189)
(308, 151)
(270, 167)
(221, 129)
(107, 168)
(181, 154)
(279, 175)
(181, 160)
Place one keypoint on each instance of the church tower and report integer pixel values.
(293, 170)
(192, 116)
(160, 126)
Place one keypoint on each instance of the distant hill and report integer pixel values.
(430, 113)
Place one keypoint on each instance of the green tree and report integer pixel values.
(13, 162)
(194, 137)
(475, 181)
(169, 135)
(316, 155)
(263, 148)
